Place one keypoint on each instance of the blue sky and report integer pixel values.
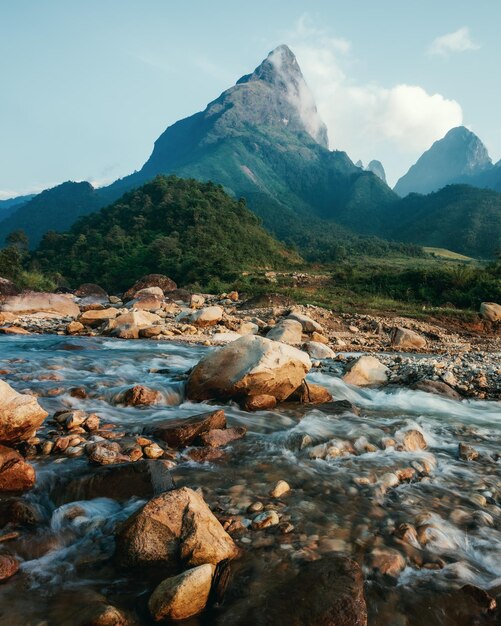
(87, 86)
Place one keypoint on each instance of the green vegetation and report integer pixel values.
(16, 265)
(191, 231)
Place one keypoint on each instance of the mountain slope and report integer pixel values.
(458, 217)
(189, 230)
(457, 157)
(53, 209)
(7, 207)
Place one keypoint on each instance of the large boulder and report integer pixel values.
(16, 474)
(366, 371)
(319, 350)
(97, 317)
(171, 532)
(491, 311)
(20, 415)
(406, 339)
(128, 325)
(287, 331)
(165, 283)
(182, 596)
(89, 293)
(208, 316)
(183, 432)
(309, 325)
(38, 302)
(250, 365)
(327, 592)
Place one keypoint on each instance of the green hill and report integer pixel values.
(189, 230)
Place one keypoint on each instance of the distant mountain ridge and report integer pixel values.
(460, 156)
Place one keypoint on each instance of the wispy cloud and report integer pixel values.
(368, 120)
(452, 43)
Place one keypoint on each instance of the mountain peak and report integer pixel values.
(459, 155)
(281, 72)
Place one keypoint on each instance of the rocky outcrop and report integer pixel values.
(182, 596)
(16, 475)
(491, 311)
(20, 415)
(165, 283)
(183, 432)
(39, 302)
(173, 531)
(249, 366)
(366, 371)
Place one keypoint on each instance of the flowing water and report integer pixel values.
(336, 505)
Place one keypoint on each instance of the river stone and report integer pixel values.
(165, 283)
(366, 371)
(139, 395)
(207, 316)
(97, 317)
(9, 566)
(318, 350)
(16, 474)
(437, 387)
(143, 479)
(249, 366)
(406, 339)
(325, 592)
(467, 452)
(39, 302)
(20, 415)
(260, 402)
(308, 324)
(183, 432)
(173, 531)
(182, 596)
(413, 440)
(491, 311)
(287, 331)
(219, 437)
(309, 393)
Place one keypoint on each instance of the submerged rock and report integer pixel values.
(139, 395)
(173, 531)
(183, 432)
(20, 415)
(16, 474)
(222, 436)
(249, 366)
(182, 596)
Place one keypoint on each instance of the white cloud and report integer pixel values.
(394, 124)
(458, 41)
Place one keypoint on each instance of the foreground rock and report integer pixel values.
(327, 592)
(248, 366)
(182, 596)
(16, 474)
(183, 432)
(366, 371)
(173, 531)
(39, 302)
(20, 415)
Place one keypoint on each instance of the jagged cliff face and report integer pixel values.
(455, 158)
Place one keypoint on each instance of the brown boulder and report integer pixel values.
(15, 473)
(96, 317)
(260, 402)
(413, 440)
(165, 283)
(9, 566)
(406, 339)
(173, 531)
(20, 415)
(219, 437)
(183, 432)
(139, 395)
(308, 393)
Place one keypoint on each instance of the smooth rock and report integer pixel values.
(309, 393)
(20, 415)
(366, 371)
(491, 311)
(16, 475)
(406, 339)
(139, 395)
(182, 432)
(219, 437)
(249, 366)
(39, 302)
(287, 331)
(182, 596)
(261, 402)
(318, 350)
